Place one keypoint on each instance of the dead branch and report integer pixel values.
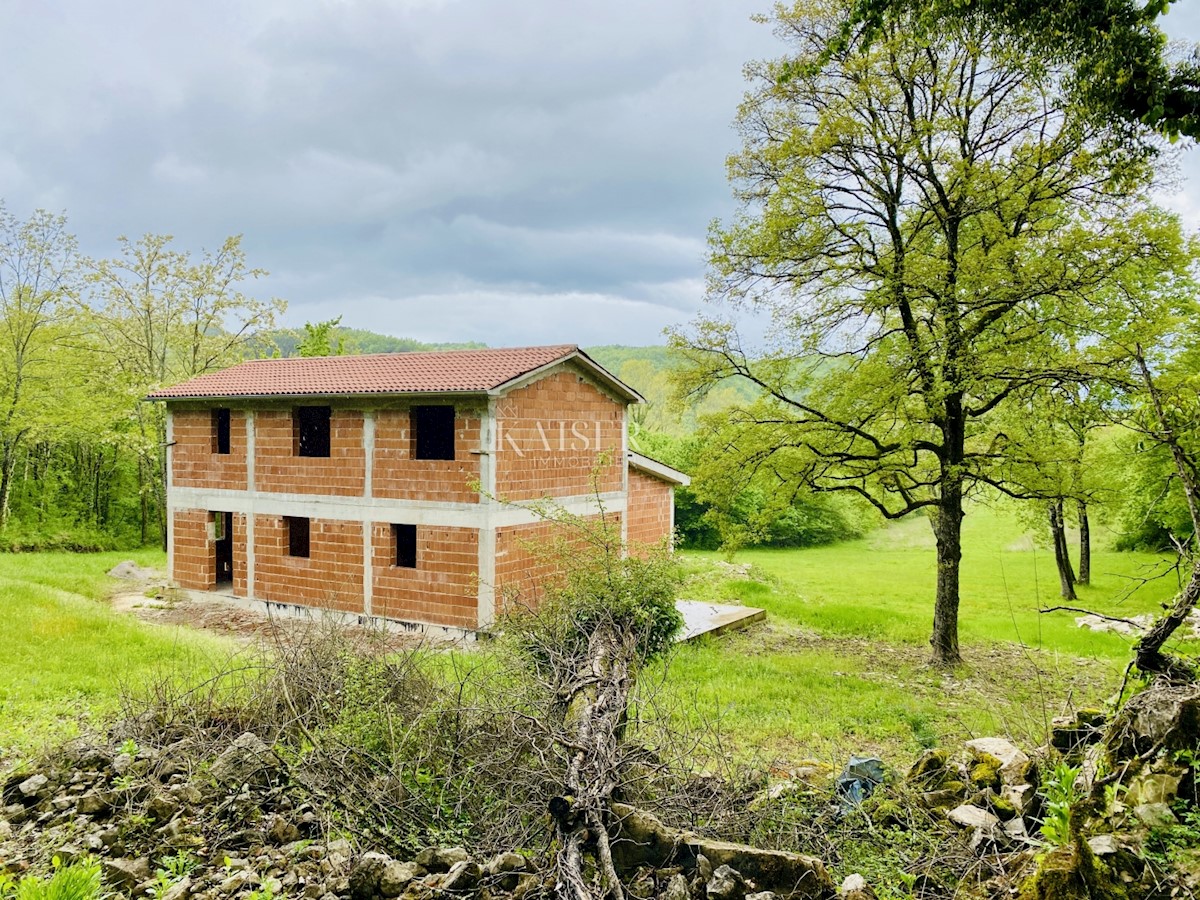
(1088, 612)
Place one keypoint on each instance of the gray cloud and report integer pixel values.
(448, 170)
(442, 169)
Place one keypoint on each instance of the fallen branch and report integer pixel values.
(1088, 612)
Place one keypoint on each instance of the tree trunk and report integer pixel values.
(1062, 557)
(594, 720)
(144, 506)
(1085, 545)
(1148, 653)
(8, 460)
(947, 529)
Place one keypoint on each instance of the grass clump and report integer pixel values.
(78, 881)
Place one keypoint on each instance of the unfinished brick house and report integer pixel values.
(390, 486)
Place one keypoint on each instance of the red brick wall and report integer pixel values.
(331, 576)
(193, 462)
(194, 562)
(278, 469)
(441, 590)
(397, 475)
(521, 570)
(649, 509)
(547, 438)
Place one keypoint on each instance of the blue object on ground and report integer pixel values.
(860, 777)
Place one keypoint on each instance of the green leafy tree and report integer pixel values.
(322, 339)
(919, 220)
(160, 317)
(1119, 63)
(1149, 317)
(39, 277)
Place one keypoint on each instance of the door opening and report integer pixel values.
(223, 526)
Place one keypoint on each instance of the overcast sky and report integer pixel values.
(514, 173)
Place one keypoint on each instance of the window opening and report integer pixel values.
(311, 424)
(220, 424)
(433, 432)
(297, 535)
(405, 539)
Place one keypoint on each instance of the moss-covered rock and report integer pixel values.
(929, 771)
(1071, 873)
(985, 772)
(1002, 807)
(890, 812)
(1071, 735)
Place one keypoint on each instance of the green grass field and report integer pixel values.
(839, 667)
(67, 653)
(841, 664)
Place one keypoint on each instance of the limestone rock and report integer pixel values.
(677, 888)
(1103, 844)
(244, 759)
(1155, 815)
(33, 787)
(440, 859)
(281, 831)
(1165, 717)
(644, 840)
(366, 875)
(506, 862)
(505, 870)
(464, 876)
(95, 802)
(180, 890)
(126, 873)
(1020, 796)
(1014, 763)
(1153, 787)
(397, 876)
(1015, 829)
(930, 768)
(969, 816)
(855, 887)
(726, 884)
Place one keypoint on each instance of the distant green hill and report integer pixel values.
(358, 340)
(648, 370)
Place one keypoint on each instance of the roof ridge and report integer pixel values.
(469, 370)
(524, 349)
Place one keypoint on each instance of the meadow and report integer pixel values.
(839, 667)
(67, 653)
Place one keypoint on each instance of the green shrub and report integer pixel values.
(78, 881)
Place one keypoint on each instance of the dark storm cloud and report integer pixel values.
(451, 170)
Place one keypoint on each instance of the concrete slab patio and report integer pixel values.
(713, 618)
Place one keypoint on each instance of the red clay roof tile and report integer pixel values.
(450, 371)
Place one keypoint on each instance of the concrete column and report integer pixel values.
(170, 513)
(248, 550)
(624, 462)
(368, 526)
(486, 611)
(368, 449)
